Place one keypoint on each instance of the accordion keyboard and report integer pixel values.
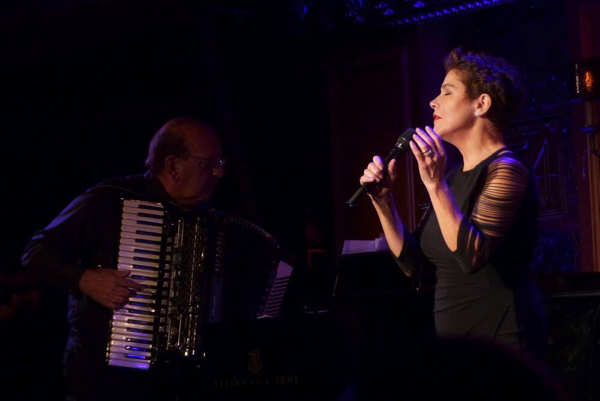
(133, 343)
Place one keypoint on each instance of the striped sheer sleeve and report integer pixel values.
(493, 213)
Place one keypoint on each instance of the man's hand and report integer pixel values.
(109, 287)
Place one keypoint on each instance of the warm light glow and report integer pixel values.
(589, 81)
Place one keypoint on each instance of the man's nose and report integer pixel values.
(218, 171)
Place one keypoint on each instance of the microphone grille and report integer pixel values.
(406, 136)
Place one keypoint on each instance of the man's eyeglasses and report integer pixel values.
(214, 163)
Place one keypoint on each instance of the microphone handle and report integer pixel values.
(368, 186)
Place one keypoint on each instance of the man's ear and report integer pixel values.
(484, 102)
(172, 167)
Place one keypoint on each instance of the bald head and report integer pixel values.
(175, 138)
(186, 156)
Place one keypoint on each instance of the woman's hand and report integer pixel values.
(428, 148)
(375, 173)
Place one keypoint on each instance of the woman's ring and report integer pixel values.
(427, 153)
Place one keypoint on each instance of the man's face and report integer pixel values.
(201, 170)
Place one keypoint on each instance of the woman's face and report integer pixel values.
(453, 110)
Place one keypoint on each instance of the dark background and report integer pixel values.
(85, 84)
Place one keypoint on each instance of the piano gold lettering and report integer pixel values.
(240, 383)
(257, 382)
(282, 380)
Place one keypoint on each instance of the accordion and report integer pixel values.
(212, 267)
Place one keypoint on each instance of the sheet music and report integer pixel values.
(365, 246)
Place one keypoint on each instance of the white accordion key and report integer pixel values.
(132, 341)
(145, 335)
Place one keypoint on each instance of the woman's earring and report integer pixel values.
(476, 114)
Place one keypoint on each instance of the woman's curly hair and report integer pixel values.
(484, 73)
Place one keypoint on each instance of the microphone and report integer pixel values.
(401, 147)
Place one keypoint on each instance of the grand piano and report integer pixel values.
(318, 353)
